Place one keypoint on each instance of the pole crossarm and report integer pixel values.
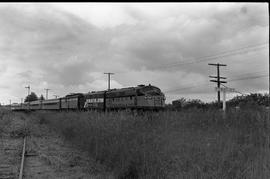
(225, 89)
(217, 64)
(218, 81)
(217, 77)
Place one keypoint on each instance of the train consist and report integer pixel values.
(141, 97)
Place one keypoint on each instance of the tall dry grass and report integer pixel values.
(5, 119)
(186, 144)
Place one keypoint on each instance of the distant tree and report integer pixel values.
(250, 100)
(31, 97)
(41, 97)
(179, 103)
(183, 103)
(169, 107)
(194, 103)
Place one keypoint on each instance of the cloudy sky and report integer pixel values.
(67, 47)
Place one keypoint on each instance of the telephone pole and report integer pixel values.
(218, 77)
(109, 79)
(47, 92)
(28, 89)
(28, 96)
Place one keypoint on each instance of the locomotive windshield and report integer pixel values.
(151, 91)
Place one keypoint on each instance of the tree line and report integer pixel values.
(33, 97)
(253, 99)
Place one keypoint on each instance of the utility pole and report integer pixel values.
(218, 77)
(28, 96)
(109, 79)
(47, 92)
(28, 89)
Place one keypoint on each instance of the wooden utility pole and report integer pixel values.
(225, 90)
(109, 79)
(28, 96)
(47, 92)
(28, 89)
(218, 77)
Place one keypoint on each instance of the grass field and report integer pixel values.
(186, 144)
(5, 119)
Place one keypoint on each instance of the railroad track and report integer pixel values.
(9, 160)
(9, 170)
(25, 153)
(13, 151)
(29, 151)
(22, 160)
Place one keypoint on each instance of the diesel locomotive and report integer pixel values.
(141, 97)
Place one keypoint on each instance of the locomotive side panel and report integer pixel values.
(69, 103)
(73, 101)
(121, 98)
(94, 100)
(121, 102)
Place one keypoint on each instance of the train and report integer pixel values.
(141, 97)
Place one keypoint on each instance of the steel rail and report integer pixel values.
(22, 161)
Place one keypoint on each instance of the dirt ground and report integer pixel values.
(48, 155)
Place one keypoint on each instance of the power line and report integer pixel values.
(234, 90)
(228, 53)
(247, 78)
(245, 74)
(202, 84)
(185, 88)
(211, 57)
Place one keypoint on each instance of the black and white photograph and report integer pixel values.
(134, 90)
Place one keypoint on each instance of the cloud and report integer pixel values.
(68, 47)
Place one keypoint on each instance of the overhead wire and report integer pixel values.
(234, 89)
(212, 57)
(246, 49)
(247, 78)
(249, 73)
(223, 54)
(236, 79)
